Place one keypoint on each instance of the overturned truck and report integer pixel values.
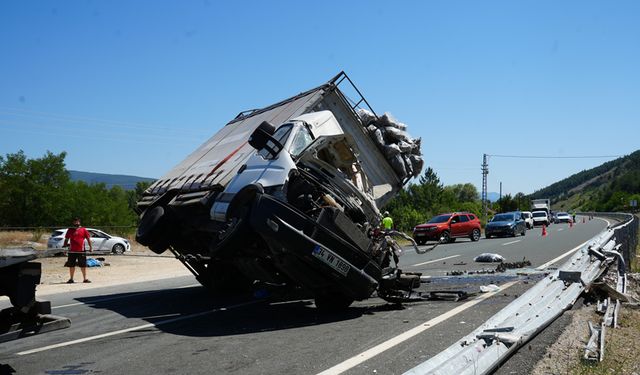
(289, 195)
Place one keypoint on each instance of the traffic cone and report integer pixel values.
(544, 230)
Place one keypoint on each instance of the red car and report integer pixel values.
(448, 227)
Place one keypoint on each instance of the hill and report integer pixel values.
(125, 181)
(607, 187)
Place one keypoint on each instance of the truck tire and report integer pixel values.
(238, 230)
(152, 230)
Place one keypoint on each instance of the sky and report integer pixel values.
(133, 87)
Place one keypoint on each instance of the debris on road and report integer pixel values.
(503, 266)
(489, 288)
(488, 258)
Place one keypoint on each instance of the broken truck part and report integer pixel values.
(18, 279)
(289, 195)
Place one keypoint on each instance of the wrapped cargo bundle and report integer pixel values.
(390, 135)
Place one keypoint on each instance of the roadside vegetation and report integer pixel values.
(37, 194)
(420, 201)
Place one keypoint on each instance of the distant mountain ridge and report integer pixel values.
(125, 181)
(609, 186)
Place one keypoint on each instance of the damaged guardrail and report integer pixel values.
(484, 349)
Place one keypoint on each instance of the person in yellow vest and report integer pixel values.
(387, 222)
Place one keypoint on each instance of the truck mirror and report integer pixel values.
(261, 138)
(261, 135)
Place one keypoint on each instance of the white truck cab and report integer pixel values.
(313, 139)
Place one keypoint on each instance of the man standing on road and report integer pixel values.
(387, 222)
(75, 238)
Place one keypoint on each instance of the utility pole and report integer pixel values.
(500, 190)
(485, 172)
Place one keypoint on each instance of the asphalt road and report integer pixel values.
(174, 327)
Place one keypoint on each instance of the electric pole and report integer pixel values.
(485, 172)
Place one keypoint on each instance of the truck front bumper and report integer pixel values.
(332, 264)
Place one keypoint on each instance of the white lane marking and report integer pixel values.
(433, 261)
(560, 230)
(120, 297)
(509, 243)
(144, 326)
(552, 261)
(368, 354)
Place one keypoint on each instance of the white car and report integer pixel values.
(562, 217)
(528, 219)
(540, 218)
(100, 241)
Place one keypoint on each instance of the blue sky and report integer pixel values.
(133, 87)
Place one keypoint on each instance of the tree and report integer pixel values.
(32, 190)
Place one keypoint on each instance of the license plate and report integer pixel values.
(331, 259)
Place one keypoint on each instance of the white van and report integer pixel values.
(528, 219)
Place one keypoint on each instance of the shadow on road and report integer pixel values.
(228, 316)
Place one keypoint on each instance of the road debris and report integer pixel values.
(488, 258)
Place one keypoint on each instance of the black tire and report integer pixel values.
(524, 232)
(487, 236)
(118, 248)
(152, 230)
(446, 237)
(475, 235)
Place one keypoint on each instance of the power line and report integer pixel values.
(555, 157)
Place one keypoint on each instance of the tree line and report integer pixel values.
(420, 201)
(39, 193)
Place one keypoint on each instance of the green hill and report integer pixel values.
(608, 187)
(125, 181)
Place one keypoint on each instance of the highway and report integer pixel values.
(173, 326)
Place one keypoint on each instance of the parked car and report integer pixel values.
(448, 227)
(528, 219)
(540, 218)
(100, 241)
(506, 224)
(562, 217)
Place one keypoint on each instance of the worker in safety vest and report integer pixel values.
(387, 222)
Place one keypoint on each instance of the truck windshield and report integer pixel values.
(301, 140)
(281, 136)
(539, 214)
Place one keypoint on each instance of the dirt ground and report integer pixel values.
(621, 344)
(136, 266)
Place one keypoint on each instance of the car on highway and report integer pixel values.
(562, 217)
(447, 227)
(528, 219)
(100, 241)
(540, 218)
(506, 224)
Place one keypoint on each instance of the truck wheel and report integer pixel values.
(152, 230)
(475, 235)
(332, 301)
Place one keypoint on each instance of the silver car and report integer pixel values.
(100, 241)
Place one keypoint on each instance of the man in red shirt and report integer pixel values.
(75, 237)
